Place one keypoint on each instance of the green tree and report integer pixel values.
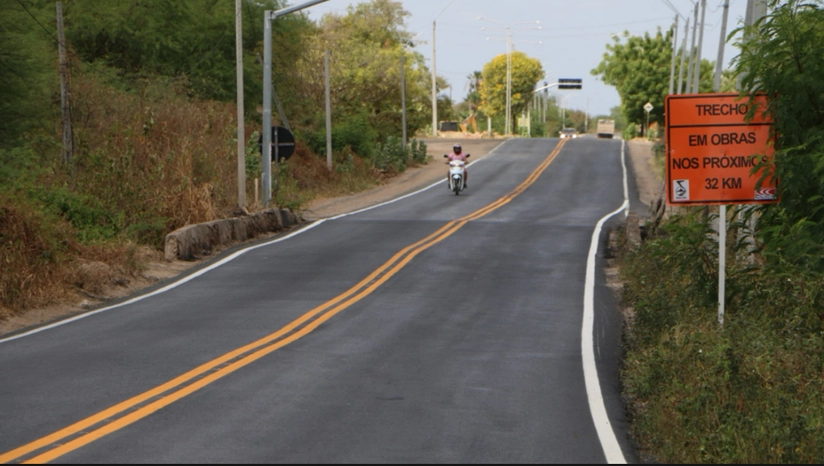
(526, 72)
(639, 68)
(473, 97)
(366, 45)
(28, 69)
(781, 56)
(193, 40)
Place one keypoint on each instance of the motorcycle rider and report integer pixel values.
(457, 154)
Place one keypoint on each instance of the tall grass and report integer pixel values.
(154, 158)
(750, 392)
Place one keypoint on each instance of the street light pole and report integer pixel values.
(507, 28)
(435, 76)
(266, 153)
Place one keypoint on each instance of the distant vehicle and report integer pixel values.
(606, 128)
(568, 133)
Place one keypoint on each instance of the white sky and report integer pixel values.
(573, 36)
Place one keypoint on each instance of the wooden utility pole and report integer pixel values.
(68, 141)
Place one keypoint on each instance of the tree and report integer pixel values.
(526, 72)
(365, 46)
(28, 57)
(191, 40)
(473, 97)
(639, 68)
(781, 57)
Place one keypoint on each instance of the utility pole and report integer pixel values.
(719, 63)
(65, 105)
(508, 82)
(697, 78)
(586, 119)
(683, 57)
(403, 93)
(674, 53)
(434, 87)
(692, 51)
(328, 113)
(241, 130)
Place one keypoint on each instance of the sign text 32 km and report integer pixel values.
(710, 150)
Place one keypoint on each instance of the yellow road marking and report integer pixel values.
(256, 349)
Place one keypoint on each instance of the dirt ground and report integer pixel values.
(647, 177)
(157, 269)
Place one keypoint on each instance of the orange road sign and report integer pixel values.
(710, 150)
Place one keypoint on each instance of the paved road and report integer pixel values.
(438, 328)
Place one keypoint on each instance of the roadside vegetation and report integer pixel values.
(152, 89)
(751, 391)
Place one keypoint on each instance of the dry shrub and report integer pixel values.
(306, 176)
(32, 249)
(160, 159)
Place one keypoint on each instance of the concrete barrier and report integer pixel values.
(194, 241)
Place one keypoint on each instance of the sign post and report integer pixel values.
(712, 152)
(647, 108)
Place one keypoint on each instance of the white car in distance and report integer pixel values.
(568, 133)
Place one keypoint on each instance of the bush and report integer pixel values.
(355, 132)
(630, 132)
(418, 150)
(392, 155)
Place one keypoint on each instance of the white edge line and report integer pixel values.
(606, 434)
(224, 261)
(624, 167)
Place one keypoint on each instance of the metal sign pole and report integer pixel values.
(722, 261)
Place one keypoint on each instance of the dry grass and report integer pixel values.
(170, 160)
(148, 160)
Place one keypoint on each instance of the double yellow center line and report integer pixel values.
(127, 412)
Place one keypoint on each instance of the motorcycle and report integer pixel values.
(457, 175)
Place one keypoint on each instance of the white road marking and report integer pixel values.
(609, 443)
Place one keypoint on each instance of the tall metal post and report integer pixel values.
(697, 78)
(266, 130)
(266, 153)
(692, 51)
(508, 125)
(403, 93)
(65, 106)
(683, 57)
(719, 63)
(674, 53)
(328, 113)
(434, 87)
(241, 130)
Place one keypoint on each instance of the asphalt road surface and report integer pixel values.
(433, 329)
